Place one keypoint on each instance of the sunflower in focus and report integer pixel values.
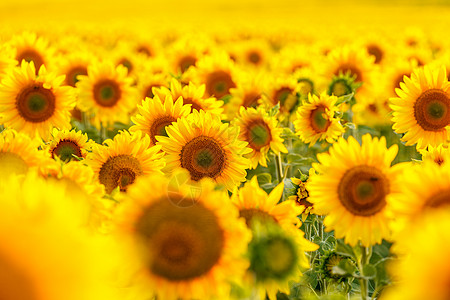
(118, 162)
(261, 132)
(182, 239)
(353, 189)
(156, 114)
(42, 232)
(34, 104)
(422, 109)
(19, 153)
(206, 147)
(107, 93)
(69, 144)
(316, 120)
(192, 94)
(31, 48)
(425, 272)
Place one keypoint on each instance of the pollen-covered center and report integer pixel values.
(376, 51)
(439, 199)
(339, 88)
(73, 73)
(252, 214)
(363, 190)
(350, 69)
(432, 110)
(14, 283)
(203, 157)
(159, 125)
(184, 242)
(219, 83)
(258, 134)
(12, 163)
(186, 61)
(35, 103)
(119, 171)
(273, 257)
(286, 97)
(319, 120)
(107, 93)
(31, 55)
(66, 149)
(251, 99)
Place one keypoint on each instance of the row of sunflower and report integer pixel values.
(165, 168)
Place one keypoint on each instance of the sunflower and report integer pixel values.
(425, 272)
(183, 239)
(301, 197)
(316, 120)
(372, 108)
(253, 53)
(34, 104)
(184, 54)
(277, 247)
(69, 144)
(118, 162)
(31, 48)
(218, 72)
(19, 153)
(206, 147)
(124, 54)
(74, 64)
(293, 58)
(40, 233)
(353, 187)
(439, 154)
(422, 110)
(282, 90)
(192, 94)
(261, 132)
(156, 114)
(7, 61)
(106, 92)
(146, 84)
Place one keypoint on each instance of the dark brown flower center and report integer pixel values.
(66, 149)
(363, 190)
(432, 110)
(159, 127)
(120, 171)
(438, 200)
(254, 57)
(186, 61)
(149, 90)
(185, 242)
(31, 55)
(258, 134)
(107, 93)
(219, 83)
(195, 104)
(251, 99)
(35, 103)
(72, 75)
(376, 51)
(286, 97)
(127, 64)
(319, 120)
(399, 79)
(203, 157)
(348, 68)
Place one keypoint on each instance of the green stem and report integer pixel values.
(279, 167)
(366, 253)
(103, 135)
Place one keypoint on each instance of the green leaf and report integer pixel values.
(344, 249)
(264, 178)
(369, 271)
(345, 267)
(350, 125)
(345, 99)
(274, 110)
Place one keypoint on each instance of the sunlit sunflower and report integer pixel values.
(31, 48)
(192, 94)
(19, 153)
(253, 52)
(74, 64)
(206, 147)
(353, 187)
(7, 61)
(182, 239)
(293, 58)
(372, 108)
(422, 109)
(42, 231)
(107, 93)
(301, 196)
(282, 90)
(69, 144)
(184, 54)
(217, 71)
(156, 114)
(34, 104)
(124, 54)
(424, 273)
(147, 83)
(261, 132)
(439, 154)
(316, 120)
(118, 162)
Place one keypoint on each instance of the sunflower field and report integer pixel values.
(242, 150)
